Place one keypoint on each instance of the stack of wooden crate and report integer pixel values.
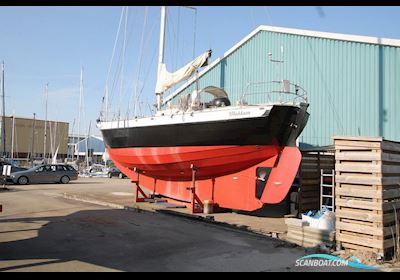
(309, 178)
(367, 194)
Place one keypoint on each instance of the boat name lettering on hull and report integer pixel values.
(238, 113)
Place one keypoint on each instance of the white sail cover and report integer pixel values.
(166, 79)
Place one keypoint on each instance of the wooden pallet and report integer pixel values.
(367, 193)
(303, 235)
(310, 176)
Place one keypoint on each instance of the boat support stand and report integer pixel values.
(195, 204)
(139, 190)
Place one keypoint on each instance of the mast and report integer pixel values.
(33, 137)
(106, 104)
(80, 108)
(161, 51)
(54, 150)
(3, 134)
(87, 145)
(45, 121)
(73, 141)
(12, 136)
(52, 126)
(165, 79)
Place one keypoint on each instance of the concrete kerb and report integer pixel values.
(208, 219)
(92, 201)
(105, 204)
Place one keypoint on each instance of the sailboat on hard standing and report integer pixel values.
(240, 156)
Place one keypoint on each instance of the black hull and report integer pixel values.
(279, 126)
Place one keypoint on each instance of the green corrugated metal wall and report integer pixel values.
(353, 88)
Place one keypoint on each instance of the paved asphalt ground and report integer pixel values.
(41, 231)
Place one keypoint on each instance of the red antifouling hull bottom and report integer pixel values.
(225, 174)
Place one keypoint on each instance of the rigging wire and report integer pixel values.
(122, 66)
(148, 71)
(194, 33)
(140, 60)
(136, 84)
(106, 97)
(194, 47)
(178, 36)
(131, 89)
(269, 18)
(252, 16)
(120, 71)
(168, 30)
(116, 73)
(150, 65)
(174, 36)
(338, 120)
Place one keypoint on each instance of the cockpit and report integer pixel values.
(208, 97)
(220, 99)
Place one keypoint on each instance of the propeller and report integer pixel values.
(262, 174)
(261, 181)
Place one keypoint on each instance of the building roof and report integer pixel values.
(91, 136)
(95, 142)
(36, 119)
(302, 32)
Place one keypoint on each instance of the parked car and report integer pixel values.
(49, 173)
(115, 172)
